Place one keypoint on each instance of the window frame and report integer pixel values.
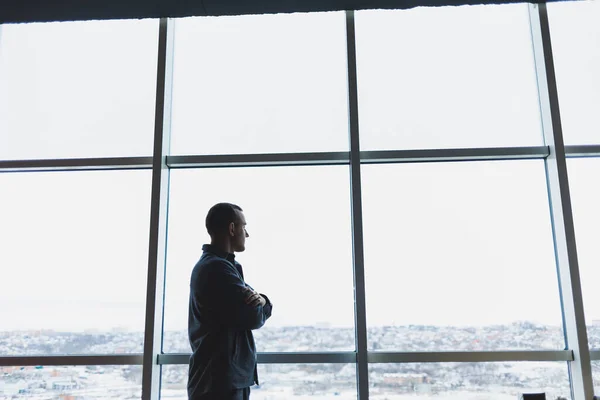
(554, 154)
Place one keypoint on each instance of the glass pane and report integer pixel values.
(260, 84)
(575, 37)
(583, 181)
(77, 89)
(74, 259)
(596, 376)
(89, 382)
(279, 381)
(299, 252)
(468, 381)
(446, 77)
(459, 256)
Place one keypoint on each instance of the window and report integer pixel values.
(575, 44)
(260, 84)
(446, 77)
(469, 381)
(75, 251)
(77, 89)
(82, 381)
(280, 381)
(299, 251)
(583, 175)
(459, 256)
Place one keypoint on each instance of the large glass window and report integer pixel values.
(446, 77)
(299, 252)
(73, 382)
(77, 89)
(583, 178)
(459, 256)
(74, 259)
(576, 49)
(280, 381)
(260, 84)
(468, 381)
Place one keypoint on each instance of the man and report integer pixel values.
(223, 312)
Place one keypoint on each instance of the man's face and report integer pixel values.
(238, 240)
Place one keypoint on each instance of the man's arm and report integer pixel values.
(224, 298)
(254, 298)
(268, 307)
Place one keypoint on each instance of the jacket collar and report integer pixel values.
(209, 248)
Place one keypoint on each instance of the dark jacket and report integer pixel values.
(220, 326)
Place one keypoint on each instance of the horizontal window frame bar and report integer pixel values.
(577, 151)
(470, 356)
(446, 155)
(72, 360)
(396, 357)
(259, 160)
(366, 157)
(348, 357)
(595, 355)
(76, 164)
(294, 159)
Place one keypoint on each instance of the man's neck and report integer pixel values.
(222, 246)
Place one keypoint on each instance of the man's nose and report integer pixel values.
(247, 235)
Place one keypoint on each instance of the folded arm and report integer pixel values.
(230, 302)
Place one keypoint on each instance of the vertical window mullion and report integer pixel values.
(560, 208)
(360, 320)
(158, 215)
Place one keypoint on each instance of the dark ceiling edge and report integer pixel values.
(19, 11)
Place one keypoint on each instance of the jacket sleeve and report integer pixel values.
(267, 308)
(223, 298)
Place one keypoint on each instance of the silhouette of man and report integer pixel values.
(223, 311)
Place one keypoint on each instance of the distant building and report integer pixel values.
(13, 388)
(400, 379)
(62, 384)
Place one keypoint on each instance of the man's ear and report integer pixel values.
(231, 229)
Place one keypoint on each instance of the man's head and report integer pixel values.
(226, 225)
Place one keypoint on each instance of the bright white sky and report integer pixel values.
(453, 243)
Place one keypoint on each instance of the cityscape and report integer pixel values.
(387, 381)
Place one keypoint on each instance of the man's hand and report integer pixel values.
(253, 298)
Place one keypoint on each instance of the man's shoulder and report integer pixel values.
(212, 268)
(209, 262)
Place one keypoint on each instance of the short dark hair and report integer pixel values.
(220, 216)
